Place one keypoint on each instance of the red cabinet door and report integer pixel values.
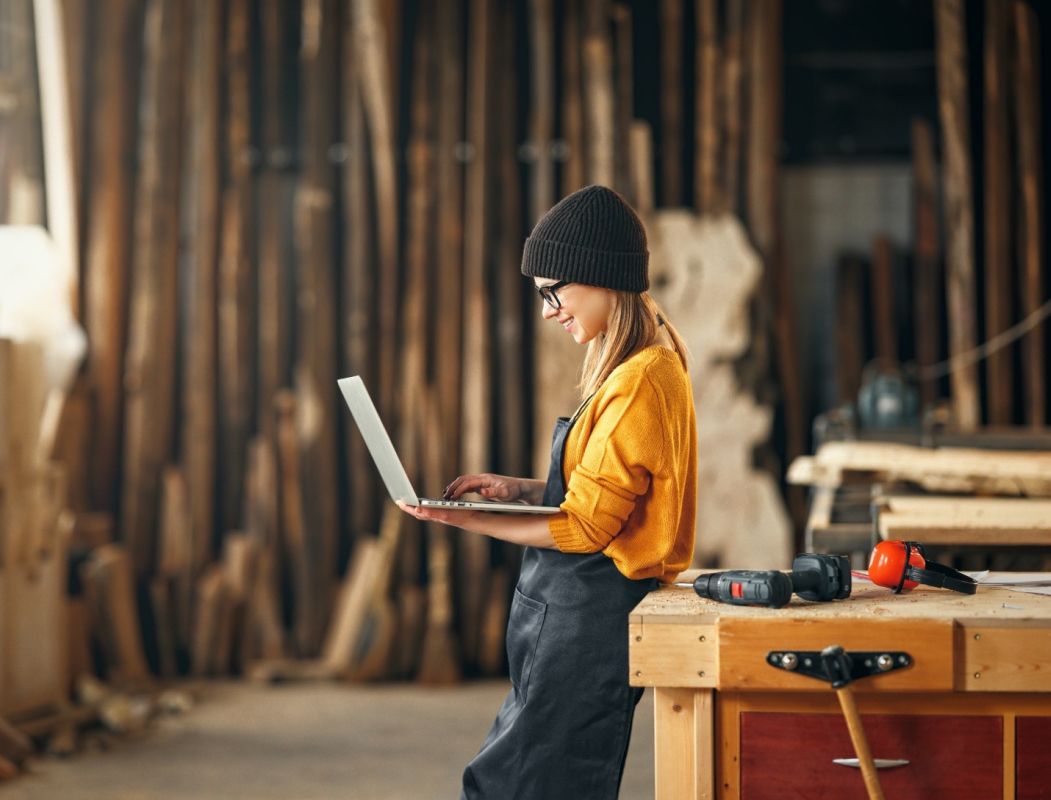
(791, 756)
(1033, 758)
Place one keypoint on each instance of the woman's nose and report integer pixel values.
(549, 312)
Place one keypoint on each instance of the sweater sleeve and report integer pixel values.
(624, 449)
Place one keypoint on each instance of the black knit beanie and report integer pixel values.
(591, 236)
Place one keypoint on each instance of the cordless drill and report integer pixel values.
(814, 576)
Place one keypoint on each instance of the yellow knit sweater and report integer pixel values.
(630, 470)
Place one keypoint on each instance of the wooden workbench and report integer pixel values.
(972, 714)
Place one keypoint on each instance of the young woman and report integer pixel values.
(624, 473)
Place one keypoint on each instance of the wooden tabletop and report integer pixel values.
(996, 640)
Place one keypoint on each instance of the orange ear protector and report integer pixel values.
(902, 565)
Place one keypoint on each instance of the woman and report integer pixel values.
(624, 472)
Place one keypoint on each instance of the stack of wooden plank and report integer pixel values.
(948, 497)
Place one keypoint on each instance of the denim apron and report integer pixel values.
(563, 729)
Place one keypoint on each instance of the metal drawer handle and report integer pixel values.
(881, 763)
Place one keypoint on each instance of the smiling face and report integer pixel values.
(585, 309)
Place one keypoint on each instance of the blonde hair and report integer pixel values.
(633, 325)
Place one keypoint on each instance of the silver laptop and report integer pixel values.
(393, 473)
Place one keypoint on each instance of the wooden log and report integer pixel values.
(1031, 217)
(149, 379)
(317, 355)
(274, 242)
(884, 321)
(199, 399)
(707, 124)
(304, 599)
(448, 291)
(15, 746)
(372, 652)
(494, 622)
(373, 66)
(473, 551)
(72, 440)
(624, 98)
(959, 207)
(572, 110)
(439, 661)
(110, 593)
(599, 101)
(409, 628)
(926, 309)
(732, 70)
(542, 106)
(997, 210)
(264, 626)
(236, 286)
(671, 148)
(240, 559)
(212, 623)
(641, 157)
(359, 291)
(163, 626)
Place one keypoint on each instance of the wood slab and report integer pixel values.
(966, 520)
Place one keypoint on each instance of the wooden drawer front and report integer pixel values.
(790, 755)
(1033, 753)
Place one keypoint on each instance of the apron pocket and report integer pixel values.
(523, 633)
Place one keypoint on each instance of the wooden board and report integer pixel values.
(599, 102)
(926, 309)
(944, 469)
(966, 520)
(671, 100)
(1031, 217)
(997, 209)
(951, 44)
(114, 87)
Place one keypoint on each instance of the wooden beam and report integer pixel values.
(149, 378)
(572, 111)
(671, 150)
(707, 124)
(999, 381)
(114, 77)
(542, 106)
(926, 308)
(733, 58)
(624, 98)
(599, 100)
(1031, 217)
(473, 551)
(951, 43)
(199, 391)
(884, 322)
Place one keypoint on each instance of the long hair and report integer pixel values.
(633, 325)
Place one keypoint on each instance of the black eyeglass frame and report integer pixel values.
(547, 293)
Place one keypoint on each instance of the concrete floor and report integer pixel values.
(304, 741)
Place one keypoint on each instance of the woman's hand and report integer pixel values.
(458, 518)
(492, 487)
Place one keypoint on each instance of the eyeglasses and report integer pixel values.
(549, 296)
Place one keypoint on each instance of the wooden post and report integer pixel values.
(199, 393)
(359, 290)
(316, 358)
(641, 157)
(599, 102)
(850, 356)
(474, 550)
(733, 50)
(373, 67)
(882, 281)
(572, 111)
(274, 237)
(926, 259)
(149, 378)
(671, 102)
(997, 164)
(115, 81)
(542, 107)
(707, 123)
(959, 210)
(624, 90)
(236, 286)
(1031, 238)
